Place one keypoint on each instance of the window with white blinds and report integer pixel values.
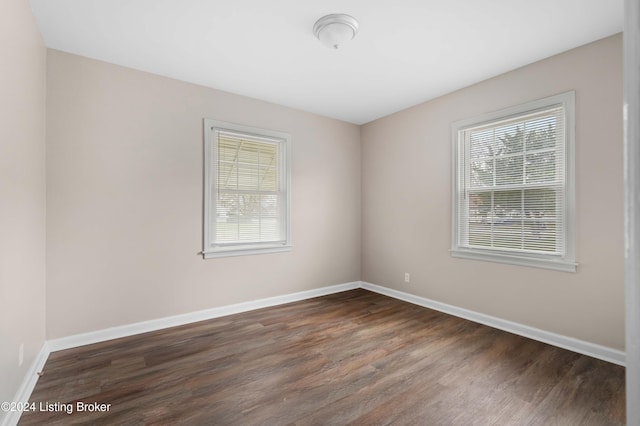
(513, 185)
(246, 190)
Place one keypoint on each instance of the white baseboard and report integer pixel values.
(176, 320)
(580, 346)
(31, 378)
(28, 384)
(591, 349)
(26, 388)
(597, 351)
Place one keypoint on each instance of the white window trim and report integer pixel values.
(210, 250)
(566, 263)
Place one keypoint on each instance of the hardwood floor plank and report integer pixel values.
(348, 358)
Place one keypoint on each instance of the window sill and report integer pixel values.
(245, 252)
(530, 261)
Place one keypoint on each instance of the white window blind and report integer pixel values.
(246, 190)
(514, 190)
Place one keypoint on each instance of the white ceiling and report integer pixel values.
(406, 52)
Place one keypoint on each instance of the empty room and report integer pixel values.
(273, 213)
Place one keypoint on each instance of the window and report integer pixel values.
(246, 202)
(513, 191)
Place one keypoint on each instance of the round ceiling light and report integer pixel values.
(336, 29)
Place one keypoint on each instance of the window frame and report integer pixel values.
(213, 249)
(566, 261)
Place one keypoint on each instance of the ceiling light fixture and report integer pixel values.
(336, 29)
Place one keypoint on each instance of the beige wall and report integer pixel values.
(22, 193)
(406, 202)
(124, 199)
(124, 194)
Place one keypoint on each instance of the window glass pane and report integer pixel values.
(249, 229)
(227, 176)
(511, 139)
(509, 170)
(269, 178)
(480, 234)
(226, 218)
(248, 177)
(542, 214)
(249, 152)
(480, 226)
(479, 206)
(269, 206)
(269, 165)
(507, 219)
(482, 173)
(508, 206)
(541, 133)
(541, 167)
(482, 144)
(247, 165)
(270, 223)
(518, 219)
(228, 149)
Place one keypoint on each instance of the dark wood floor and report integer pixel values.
(349, 358)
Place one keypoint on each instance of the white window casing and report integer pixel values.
(247, 190)
(513, 192)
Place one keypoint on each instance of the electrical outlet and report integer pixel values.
(407, 277)
(20, 354)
